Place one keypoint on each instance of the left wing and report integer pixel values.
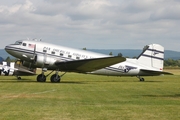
(88, 65)
(23, 72)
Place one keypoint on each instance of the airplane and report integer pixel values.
(38, 54)
(11, 70)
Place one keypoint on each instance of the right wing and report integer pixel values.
(88, 65)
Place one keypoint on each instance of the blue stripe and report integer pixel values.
(152, 57)
(32, 52)
(154, 50)
(114, 69)
(19, 49)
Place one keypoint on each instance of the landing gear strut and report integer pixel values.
(41, 77)
(140, 79)
(55, 78)
(18, 77)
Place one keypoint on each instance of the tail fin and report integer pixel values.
(152, 56)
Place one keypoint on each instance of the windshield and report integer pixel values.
(17, 43)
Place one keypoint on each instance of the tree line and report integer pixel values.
(172, 63)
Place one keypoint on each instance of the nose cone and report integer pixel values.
(6, 48)
(9, 49)
(12, 50)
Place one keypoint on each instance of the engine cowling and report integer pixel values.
(40, 61)
(28, 64)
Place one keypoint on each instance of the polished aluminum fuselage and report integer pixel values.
(47, 54)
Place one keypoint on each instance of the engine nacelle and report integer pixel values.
(28, 64)
(45, 60)
(40, 61)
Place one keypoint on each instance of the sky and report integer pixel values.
(92, 24)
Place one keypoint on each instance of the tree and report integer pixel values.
(111, 53)
(8, 59)
(120, 54)
(171, 62)
(84, 49)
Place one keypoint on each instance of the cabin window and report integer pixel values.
(44, 50)
(24, 44)
(53, 52)
(69, 56)
(61, 54)
(77, 58)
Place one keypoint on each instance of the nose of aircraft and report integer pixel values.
(8, 49)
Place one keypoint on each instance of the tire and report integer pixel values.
(41, 78)
(142, 79)
(55, 79)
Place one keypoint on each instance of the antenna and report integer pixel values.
(35, 39)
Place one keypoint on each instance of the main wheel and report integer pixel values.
(55, 78)
(41, 78)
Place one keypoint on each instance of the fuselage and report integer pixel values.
(45, 55)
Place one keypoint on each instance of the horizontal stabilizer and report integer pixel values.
(152, 72)
(88, 65)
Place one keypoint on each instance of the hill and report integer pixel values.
(125, 52)
(169, 54)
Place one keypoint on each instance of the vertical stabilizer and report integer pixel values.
(152, 56)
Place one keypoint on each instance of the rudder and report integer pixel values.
(152, 56)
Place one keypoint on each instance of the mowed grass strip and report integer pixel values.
(90, 97)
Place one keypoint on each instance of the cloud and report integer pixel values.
(92, 23)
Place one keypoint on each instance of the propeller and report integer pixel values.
(34, 57)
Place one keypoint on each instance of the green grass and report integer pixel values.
(90, 97)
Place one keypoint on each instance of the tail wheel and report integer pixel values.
(140, 79)
(55, 78)
(41, 78)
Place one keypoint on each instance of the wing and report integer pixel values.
(23, 72)
(88, 65)
(151, 72)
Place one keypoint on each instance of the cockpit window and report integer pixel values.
(18, 43)
(24, 44)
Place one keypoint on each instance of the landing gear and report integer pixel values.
(140, 79)
(19, 78)
(55, 78)
(41, 78)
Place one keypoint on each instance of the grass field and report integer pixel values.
(90, 97)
